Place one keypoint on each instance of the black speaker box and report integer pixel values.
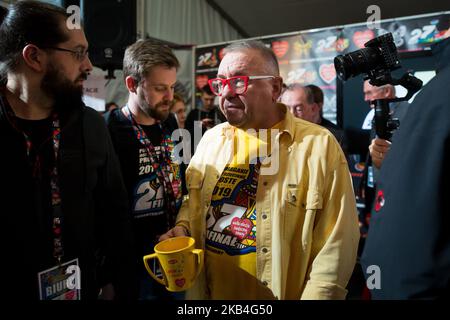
(110, 26)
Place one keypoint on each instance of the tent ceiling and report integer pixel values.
(266, 17)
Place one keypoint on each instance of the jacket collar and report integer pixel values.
(286, 127)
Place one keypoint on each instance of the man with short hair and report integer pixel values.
(141, 132)
(270, 196)
(306, 102)
(208, 115)
(380, 147)
(63, 201)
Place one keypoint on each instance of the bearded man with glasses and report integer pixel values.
(63, 201)
(270, 196)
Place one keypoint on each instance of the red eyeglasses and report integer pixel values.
(237, 85)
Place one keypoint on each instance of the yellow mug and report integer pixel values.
(180, 263)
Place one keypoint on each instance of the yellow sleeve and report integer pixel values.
(335, 236)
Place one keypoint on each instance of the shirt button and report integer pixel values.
(264, 250)
(265, 283)
(265, 184)
(264, 216)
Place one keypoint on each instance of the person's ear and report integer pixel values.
(131, 84)
(316, 107)
(386, 92)
(34, 57)
(277, 86)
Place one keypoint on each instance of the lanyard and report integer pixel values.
(58, 250)
(162, 166)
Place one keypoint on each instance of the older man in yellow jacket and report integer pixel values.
(270, 196)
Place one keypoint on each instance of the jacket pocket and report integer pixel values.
(294, 213)
(301, 206)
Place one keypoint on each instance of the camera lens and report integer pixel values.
(356, 63)
(341, 65)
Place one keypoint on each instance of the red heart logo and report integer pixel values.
(241, 227)
(201, 81)
(327, 73)
(361, 37)
(180, 282)
(379, 201)
(280, 48)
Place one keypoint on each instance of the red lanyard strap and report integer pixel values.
(58, 250)
(162, 166)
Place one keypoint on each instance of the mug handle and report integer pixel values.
(199, 254)
(150, 272)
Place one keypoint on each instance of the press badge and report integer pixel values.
(61, 282)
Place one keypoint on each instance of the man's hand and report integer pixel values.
(177, 231)
(378, 150)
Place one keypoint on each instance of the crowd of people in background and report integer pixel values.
(100, 192)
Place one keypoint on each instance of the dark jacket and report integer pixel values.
(409, 235)
(338, 133)
(96, 227)
(198, 115)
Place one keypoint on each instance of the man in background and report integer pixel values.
(306, 102)
(207, 116)
(378, 148)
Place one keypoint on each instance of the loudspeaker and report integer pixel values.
(110, 26)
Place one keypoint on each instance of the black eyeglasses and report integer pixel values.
(80, 55)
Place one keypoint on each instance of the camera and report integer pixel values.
(377, 58)
(376, 61)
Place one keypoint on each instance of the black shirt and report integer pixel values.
(146, 194)
(41, 162)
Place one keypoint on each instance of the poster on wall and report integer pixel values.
(307, 57)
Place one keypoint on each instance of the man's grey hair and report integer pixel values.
(385, 87)
(265, 52)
